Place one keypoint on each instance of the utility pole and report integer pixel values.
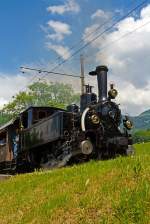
(82, 73)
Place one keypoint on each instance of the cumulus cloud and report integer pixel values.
(100, 19)
(60, 50)
(69, 6)
(59, 27)
(89, 32)
(55, 36)
(2, 102)
(101, 15)
(134, 100)
(10, 85)
(128, 59)
(61, 30)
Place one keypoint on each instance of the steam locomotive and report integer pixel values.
(48, 137)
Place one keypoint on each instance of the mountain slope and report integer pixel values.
(142, 121)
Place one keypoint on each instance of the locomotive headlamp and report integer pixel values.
(127, 123)
(95, 119)
(112, 92)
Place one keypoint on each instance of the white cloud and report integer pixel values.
(55, 36)
(134, 100)
(61, 29)
(129, 57)
(89, 32)
(60, 50)
(69, 6)
(128, 60)
(100, 19)
(145, 12)
(101, 15)
(10, 85)
(2, 102)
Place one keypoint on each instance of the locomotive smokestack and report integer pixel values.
(101, 72)
(102, 82)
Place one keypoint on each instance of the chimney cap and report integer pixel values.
(101, 68)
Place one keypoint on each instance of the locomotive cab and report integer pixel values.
(32, 115)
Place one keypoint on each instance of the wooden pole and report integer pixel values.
(82, 73)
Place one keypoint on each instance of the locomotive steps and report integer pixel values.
(113, 191)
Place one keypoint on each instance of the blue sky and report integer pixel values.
(22, 40)
(36, 32)
(21, 36)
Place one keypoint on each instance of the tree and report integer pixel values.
(41, 94)
(19, 102)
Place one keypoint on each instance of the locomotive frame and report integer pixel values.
(48, 137)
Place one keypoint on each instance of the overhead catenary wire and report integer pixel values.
(82, 39)
(122, 37)
(100, 51)
(89, 34)
(99, 35)
(49, 72)
(93, 39)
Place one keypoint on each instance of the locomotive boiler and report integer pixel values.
(48, 137)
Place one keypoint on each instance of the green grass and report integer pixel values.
(113, 191)
(141, 136)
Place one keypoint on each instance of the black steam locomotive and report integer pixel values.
(48, 137)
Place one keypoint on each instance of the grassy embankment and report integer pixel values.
(141, 136)
(114, 191)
